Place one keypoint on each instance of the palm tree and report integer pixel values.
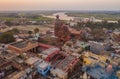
(36, 30)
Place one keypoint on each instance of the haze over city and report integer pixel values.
(12, 5)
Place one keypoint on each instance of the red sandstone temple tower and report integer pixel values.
(63, 32)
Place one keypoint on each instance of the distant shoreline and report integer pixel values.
(17, 11)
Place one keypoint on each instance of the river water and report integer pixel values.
(62, 15)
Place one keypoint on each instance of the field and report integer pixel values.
(38, 18)
(41, 18)
(42, 29)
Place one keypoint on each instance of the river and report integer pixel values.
(62, 15)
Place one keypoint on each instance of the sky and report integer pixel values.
(12, 5)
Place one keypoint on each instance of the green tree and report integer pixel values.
(30, 32)
(119, 22)
(89, 24)
(104, 22)
(14, 31)
(7, 37)
(98, 34)
(36, 30)
(8, 23)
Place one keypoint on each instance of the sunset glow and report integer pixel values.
(59, 5)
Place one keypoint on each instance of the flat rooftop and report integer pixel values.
(7, 55)
(32, 60)
(22, 44)
(67, 61)
(42, 64)
(2, 62)
(50, 51)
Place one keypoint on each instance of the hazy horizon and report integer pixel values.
(23, 5)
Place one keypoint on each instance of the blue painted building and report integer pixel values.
(43, 68)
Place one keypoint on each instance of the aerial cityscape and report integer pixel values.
(59, 39)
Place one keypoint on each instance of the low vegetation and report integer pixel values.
(98, 15)
(7, 37)
(99, 25)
